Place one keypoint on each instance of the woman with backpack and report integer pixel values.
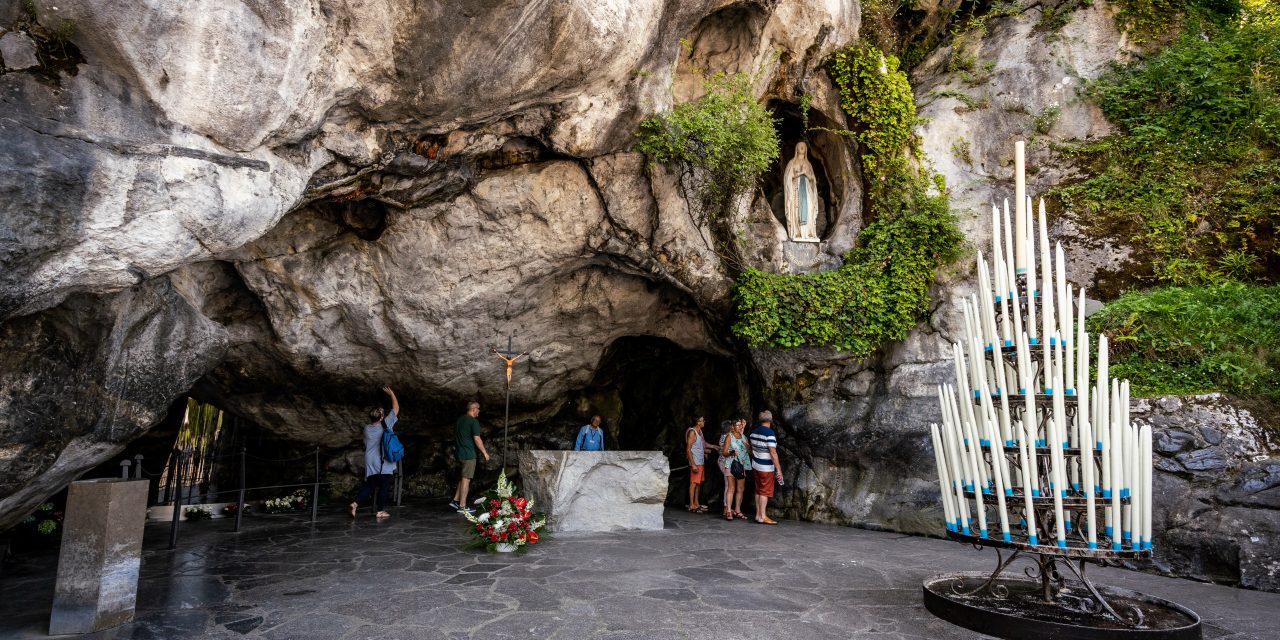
(377, 467)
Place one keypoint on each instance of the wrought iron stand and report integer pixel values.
(1055, 598)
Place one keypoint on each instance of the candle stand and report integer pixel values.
(1053, 596)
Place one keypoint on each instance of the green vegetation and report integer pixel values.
(1043, 122)
(1191, 174)
(970, 103)
(882, 288)
(1183, 340)
(721, 142)
(1148, 21)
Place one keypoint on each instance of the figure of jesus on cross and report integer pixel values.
(509, 357)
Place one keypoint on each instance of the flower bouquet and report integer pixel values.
(505, 521)
(293, 502)
(198, 512)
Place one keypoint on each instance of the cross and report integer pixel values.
(509, 357)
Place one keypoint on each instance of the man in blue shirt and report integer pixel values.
(590, 436)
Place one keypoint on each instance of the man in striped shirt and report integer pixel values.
(764, 464)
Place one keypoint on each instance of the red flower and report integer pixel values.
(533, 537)
(494, 503)
(520, 502)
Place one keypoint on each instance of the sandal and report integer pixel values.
(767, 521)
(690, 509)
(701, 509)
(382, 514)
(728, 515)
(742, 516)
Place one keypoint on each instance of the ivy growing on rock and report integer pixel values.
(882, 289)
(1191, 174)
(721, 143)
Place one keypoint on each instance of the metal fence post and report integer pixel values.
(315, 488)
(137, 467)
(240, 500)
(124, 469)
(177, 501)
(399, 484)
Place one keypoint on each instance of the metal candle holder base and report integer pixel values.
(1050, 604)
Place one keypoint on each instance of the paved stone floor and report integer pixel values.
(702, 577)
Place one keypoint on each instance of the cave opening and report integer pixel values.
(649, 390)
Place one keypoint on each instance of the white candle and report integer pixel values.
(943, 481)
(999, 471)
(1055, 449)
(1019, 199)
(1146, 488)
(1117, 468)
(1086, 464)
(974, 444)
(1063, 298)
(1102, 418)
(1047, 302)
(958, 467)
(1087, 441)
(1131, 464)
(1009, 257)
(1033, 285)
(1002, 284)
(1027, 456)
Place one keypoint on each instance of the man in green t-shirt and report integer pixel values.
(466, 433)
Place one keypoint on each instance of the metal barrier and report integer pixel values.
(243, 455)
(176, 472)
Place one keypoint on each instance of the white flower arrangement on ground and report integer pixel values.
(505, 517)
(198, 512)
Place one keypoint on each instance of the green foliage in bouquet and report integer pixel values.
(504, 517)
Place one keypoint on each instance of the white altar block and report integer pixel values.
(596, 490)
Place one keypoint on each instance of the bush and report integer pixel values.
(722, 142)
(1184, 340)
(1192, 172)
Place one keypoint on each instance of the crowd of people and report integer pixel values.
(741, 457)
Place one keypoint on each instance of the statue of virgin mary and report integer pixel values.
(802, 201)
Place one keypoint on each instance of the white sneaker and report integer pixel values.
(466, 510)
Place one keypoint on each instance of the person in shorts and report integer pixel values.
(764, 464)
(466, 432)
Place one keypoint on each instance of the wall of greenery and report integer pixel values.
(1191, 174)
(882, 289)
(1191, 178)
(1185, 340)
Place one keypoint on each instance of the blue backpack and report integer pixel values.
(392, 449)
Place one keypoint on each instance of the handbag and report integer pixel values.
(737, 470)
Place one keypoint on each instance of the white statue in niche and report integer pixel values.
(802, 201)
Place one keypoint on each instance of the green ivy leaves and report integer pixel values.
(726, 133)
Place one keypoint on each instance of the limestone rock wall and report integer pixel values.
(277, 204)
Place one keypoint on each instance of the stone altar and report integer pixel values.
(596, 490)
(101, 554)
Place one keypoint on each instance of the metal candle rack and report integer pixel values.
(982, 443)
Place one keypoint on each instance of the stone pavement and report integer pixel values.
(282, 578)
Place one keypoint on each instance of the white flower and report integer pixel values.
(478, 500)
(484, 517)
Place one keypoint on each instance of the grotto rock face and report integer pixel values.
(1218, 510)
(280, 207)
(277, 204)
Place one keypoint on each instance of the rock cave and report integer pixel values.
(276, 211)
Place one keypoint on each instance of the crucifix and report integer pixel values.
(509, 357)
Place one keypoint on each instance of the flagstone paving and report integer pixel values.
(703, 577)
